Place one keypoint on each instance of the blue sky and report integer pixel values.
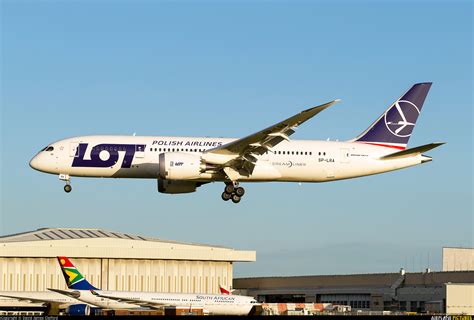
(229, 69)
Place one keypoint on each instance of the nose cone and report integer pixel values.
(40, 163)
(34, 163)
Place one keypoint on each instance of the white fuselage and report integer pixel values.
(291, 161)
(212, 304)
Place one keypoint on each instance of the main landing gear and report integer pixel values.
(65, 177)
(233, 192)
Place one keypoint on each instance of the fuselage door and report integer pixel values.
(139, 150)
(73, 152)
(344, 155)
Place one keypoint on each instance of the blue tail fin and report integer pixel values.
(394, 127)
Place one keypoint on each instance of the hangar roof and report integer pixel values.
(80, 233)
(98, 243)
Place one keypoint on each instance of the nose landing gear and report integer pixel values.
(233, 192)
(67, 188)
(65, 177)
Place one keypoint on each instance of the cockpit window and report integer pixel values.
(50, 148)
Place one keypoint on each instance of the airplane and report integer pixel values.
(82, 290)
(182, 164)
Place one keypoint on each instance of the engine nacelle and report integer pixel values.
(176, 186)
(78, 310)
(179, 166)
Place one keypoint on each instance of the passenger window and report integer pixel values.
(292, 152)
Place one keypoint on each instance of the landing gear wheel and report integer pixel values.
(235, 198)
(229, 188)
(67, 188)
(226, 196)
(239, 191)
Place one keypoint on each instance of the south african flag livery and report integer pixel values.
(73, 277)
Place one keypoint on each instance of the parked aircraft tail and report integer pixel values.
(395, 126)
(225, 290)
(73, 277)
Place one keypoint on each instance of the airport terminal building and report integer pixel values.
(450, 290)
(115, 261)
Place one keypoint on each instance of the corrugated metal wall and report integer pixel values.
(38, 274)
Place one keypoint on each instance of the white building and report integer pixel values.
(458, 259)
(115, 261)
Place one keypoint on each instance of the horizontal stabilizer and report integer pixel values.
(412, 151)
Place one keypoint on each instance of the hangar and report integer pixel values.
(115, 261)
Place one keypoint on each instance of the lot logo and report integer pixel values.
(106, 155)
(400, 119)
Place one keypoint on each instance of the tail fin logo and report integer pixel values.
(72, 275)
(400, 119)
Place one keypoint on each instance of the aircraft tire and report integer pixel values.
(240, 191)
(226, 196)
(235, 198)
(229, 188)
(67, 188)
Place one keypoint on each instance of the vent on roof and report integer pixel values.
(76, 234)
(68, 235)
(103, 233)
(47, 235)
(56, 235)
(89, 234)
(84, 233)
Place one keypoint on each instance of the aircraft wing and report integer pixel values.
(73, 294)
(26, 299)
(262, 141)
(141, 303)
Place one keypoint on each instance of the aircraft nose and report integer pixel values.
(34, 163)
(39, 163)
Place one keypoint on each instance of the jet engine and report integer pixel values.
(179, 166)
(78, 310)
(176, 186)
